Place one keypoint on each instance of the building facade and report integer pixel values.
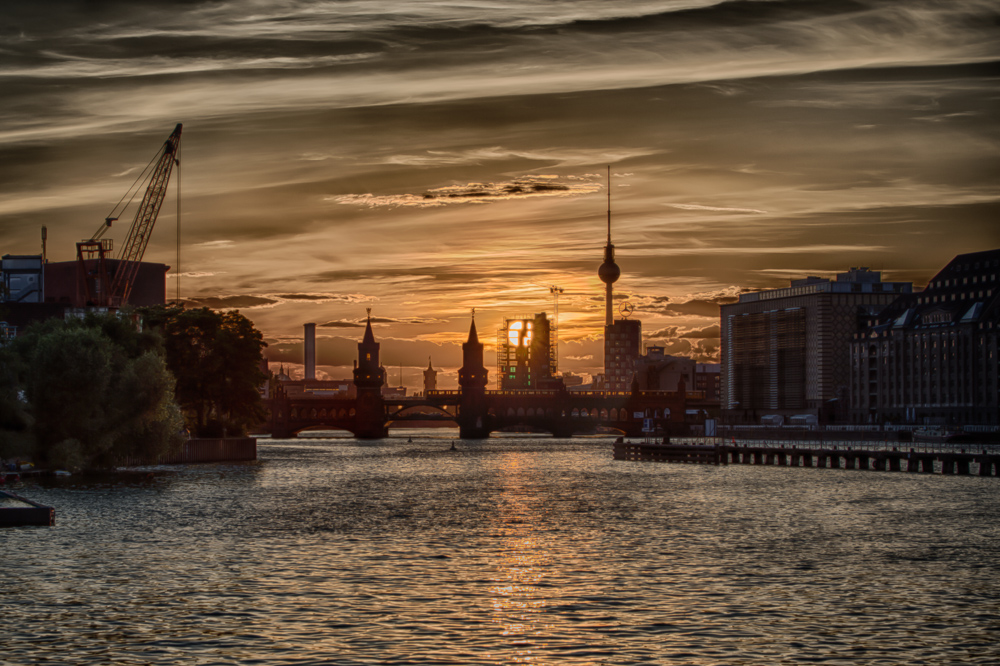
(656, 371)
(787, 351)
(708, 379)
(526, 357)
(622, 348)
(931, 358)
(22, 278)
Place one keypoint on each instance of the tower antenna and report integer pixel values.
(609, 271)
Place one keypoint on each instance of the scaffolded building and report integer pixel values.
(526, 354)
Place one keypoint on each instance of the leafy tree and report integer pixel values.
(15, 421)
(97, 389)
(216, 360)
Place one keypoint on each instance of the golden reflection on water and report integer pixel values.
(518, 603)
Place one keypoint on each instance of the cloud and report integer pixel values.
(406, 320)
(321, 298)
(709, 332)
(341, 324)
(668, 332)
(190, 274)
(587, 357)
(717, 208)
(697, 307)
(233, 302)
(523, 186)
(562, 157)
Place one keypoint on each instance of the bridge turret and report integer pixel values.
(472, 379)
(368, 372)
(473, 374)
(369, 378)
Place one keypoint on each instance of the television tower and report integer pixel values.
(609, 271)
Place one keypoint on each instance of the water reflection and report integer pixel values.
(511, 550)
(517, 599)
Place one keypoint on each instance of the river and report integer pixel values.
(515, 549)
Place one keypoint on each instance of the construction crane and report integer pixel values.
(101, 284)
(554, 332)
(554, 327)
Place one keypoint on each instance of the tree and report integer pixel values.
(216, 359)
(97, 389)
(15, 421)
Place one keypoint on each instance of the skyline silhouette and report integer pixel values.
(423, 159)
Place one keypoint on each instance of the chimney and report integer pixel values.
(310, 351)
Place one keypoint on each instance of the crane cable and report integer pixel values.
(177, 271)
(145, 175)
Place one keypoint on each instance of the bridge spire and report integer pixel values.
(473, 335)
(369, 336)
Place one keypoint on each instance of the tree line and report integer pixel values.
(84, 392)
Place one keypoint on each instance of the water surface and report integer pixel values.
(510, 550)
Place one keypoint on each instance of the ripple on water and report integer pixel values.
(506, 551)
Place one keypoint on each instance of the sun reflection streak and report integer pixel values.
(517, 597)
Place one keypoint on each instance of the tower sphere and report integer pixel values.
(609, 272)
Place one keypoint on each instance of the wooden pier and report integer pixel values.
(883, 460)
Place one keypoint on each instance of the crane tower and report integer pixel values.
(102, 283)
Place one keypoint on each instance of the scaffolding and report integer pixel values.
(527, 358)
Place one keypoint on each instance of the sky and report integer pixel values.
(424, 158)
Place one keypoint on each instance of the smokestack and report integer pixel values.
(310, 351)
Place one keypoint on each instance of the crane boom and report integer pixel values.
(98, 283)
(142, 226)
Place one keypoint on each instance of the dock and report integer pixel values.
(32, 513)
(942, 461)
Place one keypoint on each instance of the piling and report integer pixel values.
(956, 462)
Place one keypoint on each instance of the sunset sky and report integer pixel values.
(426, 158)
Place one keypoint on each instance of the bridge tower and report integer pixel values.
(472, 379)
(369, 377)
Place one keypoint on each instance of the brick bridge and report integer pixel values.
(478, 412)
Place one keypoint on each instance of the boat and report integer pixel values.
(935, 435)
(17, 511)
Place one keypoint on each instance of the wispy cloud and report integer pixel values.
(522, 187)
(721, 209)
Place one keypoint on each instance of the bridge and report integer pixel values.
(561, 413)
(479, 412)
